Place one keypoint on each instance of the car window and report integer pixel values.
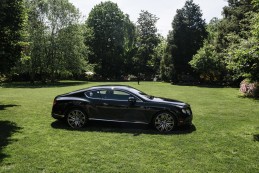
(120, 95)
(93, 94)
(103, 93)
(114, 95)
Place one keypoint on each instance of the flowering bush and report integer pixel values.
(249, 89)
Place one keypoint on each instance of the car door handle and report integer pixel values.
(105, 104)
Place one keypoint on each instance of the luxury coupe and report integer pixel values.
(120, 103)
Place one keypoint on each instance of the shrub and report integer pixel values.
(249, 89)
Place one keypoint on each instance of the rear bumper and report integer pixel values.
(57, 116)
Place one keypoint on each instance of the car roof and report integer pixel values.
(125, 87)
(98, 87)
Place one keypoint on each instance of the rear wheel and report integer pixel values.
(164, 122)
(76, 118)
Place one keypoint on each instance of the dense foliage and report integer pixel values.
(44, 40)
(230, 53)
(12, 21)
(56, 41)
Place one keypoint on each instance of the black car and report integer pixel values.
(120, 104)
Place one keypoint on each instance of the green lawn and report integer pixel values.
(225, 139)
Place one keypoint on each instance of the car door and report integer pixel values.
(115, 106)
(95, 98)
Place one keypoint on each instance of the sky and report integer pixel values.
(165, 10)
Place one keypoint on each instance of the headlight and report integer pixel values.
(187, 111)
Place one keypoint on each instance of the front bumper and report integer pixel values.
(185, 120)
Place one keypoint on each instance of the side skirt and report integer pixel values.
(135, 122)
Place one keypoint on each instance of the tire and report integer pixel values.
(76, 118)
(164, 122)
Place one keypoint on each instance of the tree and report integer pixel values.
(166, 65)
(130, 48)
(147, 41)
(12, 23)
(186, 38)
(230, 49)
(243, 57)
(207, 62)
(106, 23)
(157, 55)
(72, 50)
(57, 46)
(236, 21)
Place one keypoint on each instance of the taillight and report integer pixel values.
(54, 102)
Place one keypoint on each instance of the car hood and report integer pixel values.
(170, 102)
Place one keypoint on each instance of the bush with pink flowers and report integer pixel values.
(249, 89)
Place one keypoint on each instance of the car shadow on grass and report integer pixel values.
(7, 129)
(115, 127)
(256, 137)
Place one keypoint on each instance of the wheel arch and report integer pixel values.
(71, 107)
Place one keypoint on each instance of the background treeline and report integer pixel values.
(46, 40)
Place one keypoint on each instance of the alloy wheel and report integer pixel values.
(76, 118)
(164, 122)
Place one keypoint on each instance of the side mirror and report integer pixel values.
(132, 99)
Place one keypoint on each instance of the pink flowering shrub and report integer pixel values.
(249, 89)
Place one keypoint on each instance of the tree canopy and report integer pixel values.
(147, 41)
(56, 41)
(107, 24)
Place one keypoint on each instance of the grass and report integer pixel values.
(226, 138)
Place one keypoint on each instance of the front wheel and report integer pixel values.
(76, 118)
(164, 122)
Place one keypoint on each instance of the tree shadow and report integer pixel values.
(205, 85)
(3, 107)
(7, 129)
(256, 137)
(115, 127)
(41, 85)
(248, 97)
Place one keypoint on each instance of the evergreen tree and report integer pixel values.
(186, 38)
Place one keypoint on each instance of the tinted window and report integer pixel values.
(120, 95)
(103, 93)
(93, 94)
(114, 95)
